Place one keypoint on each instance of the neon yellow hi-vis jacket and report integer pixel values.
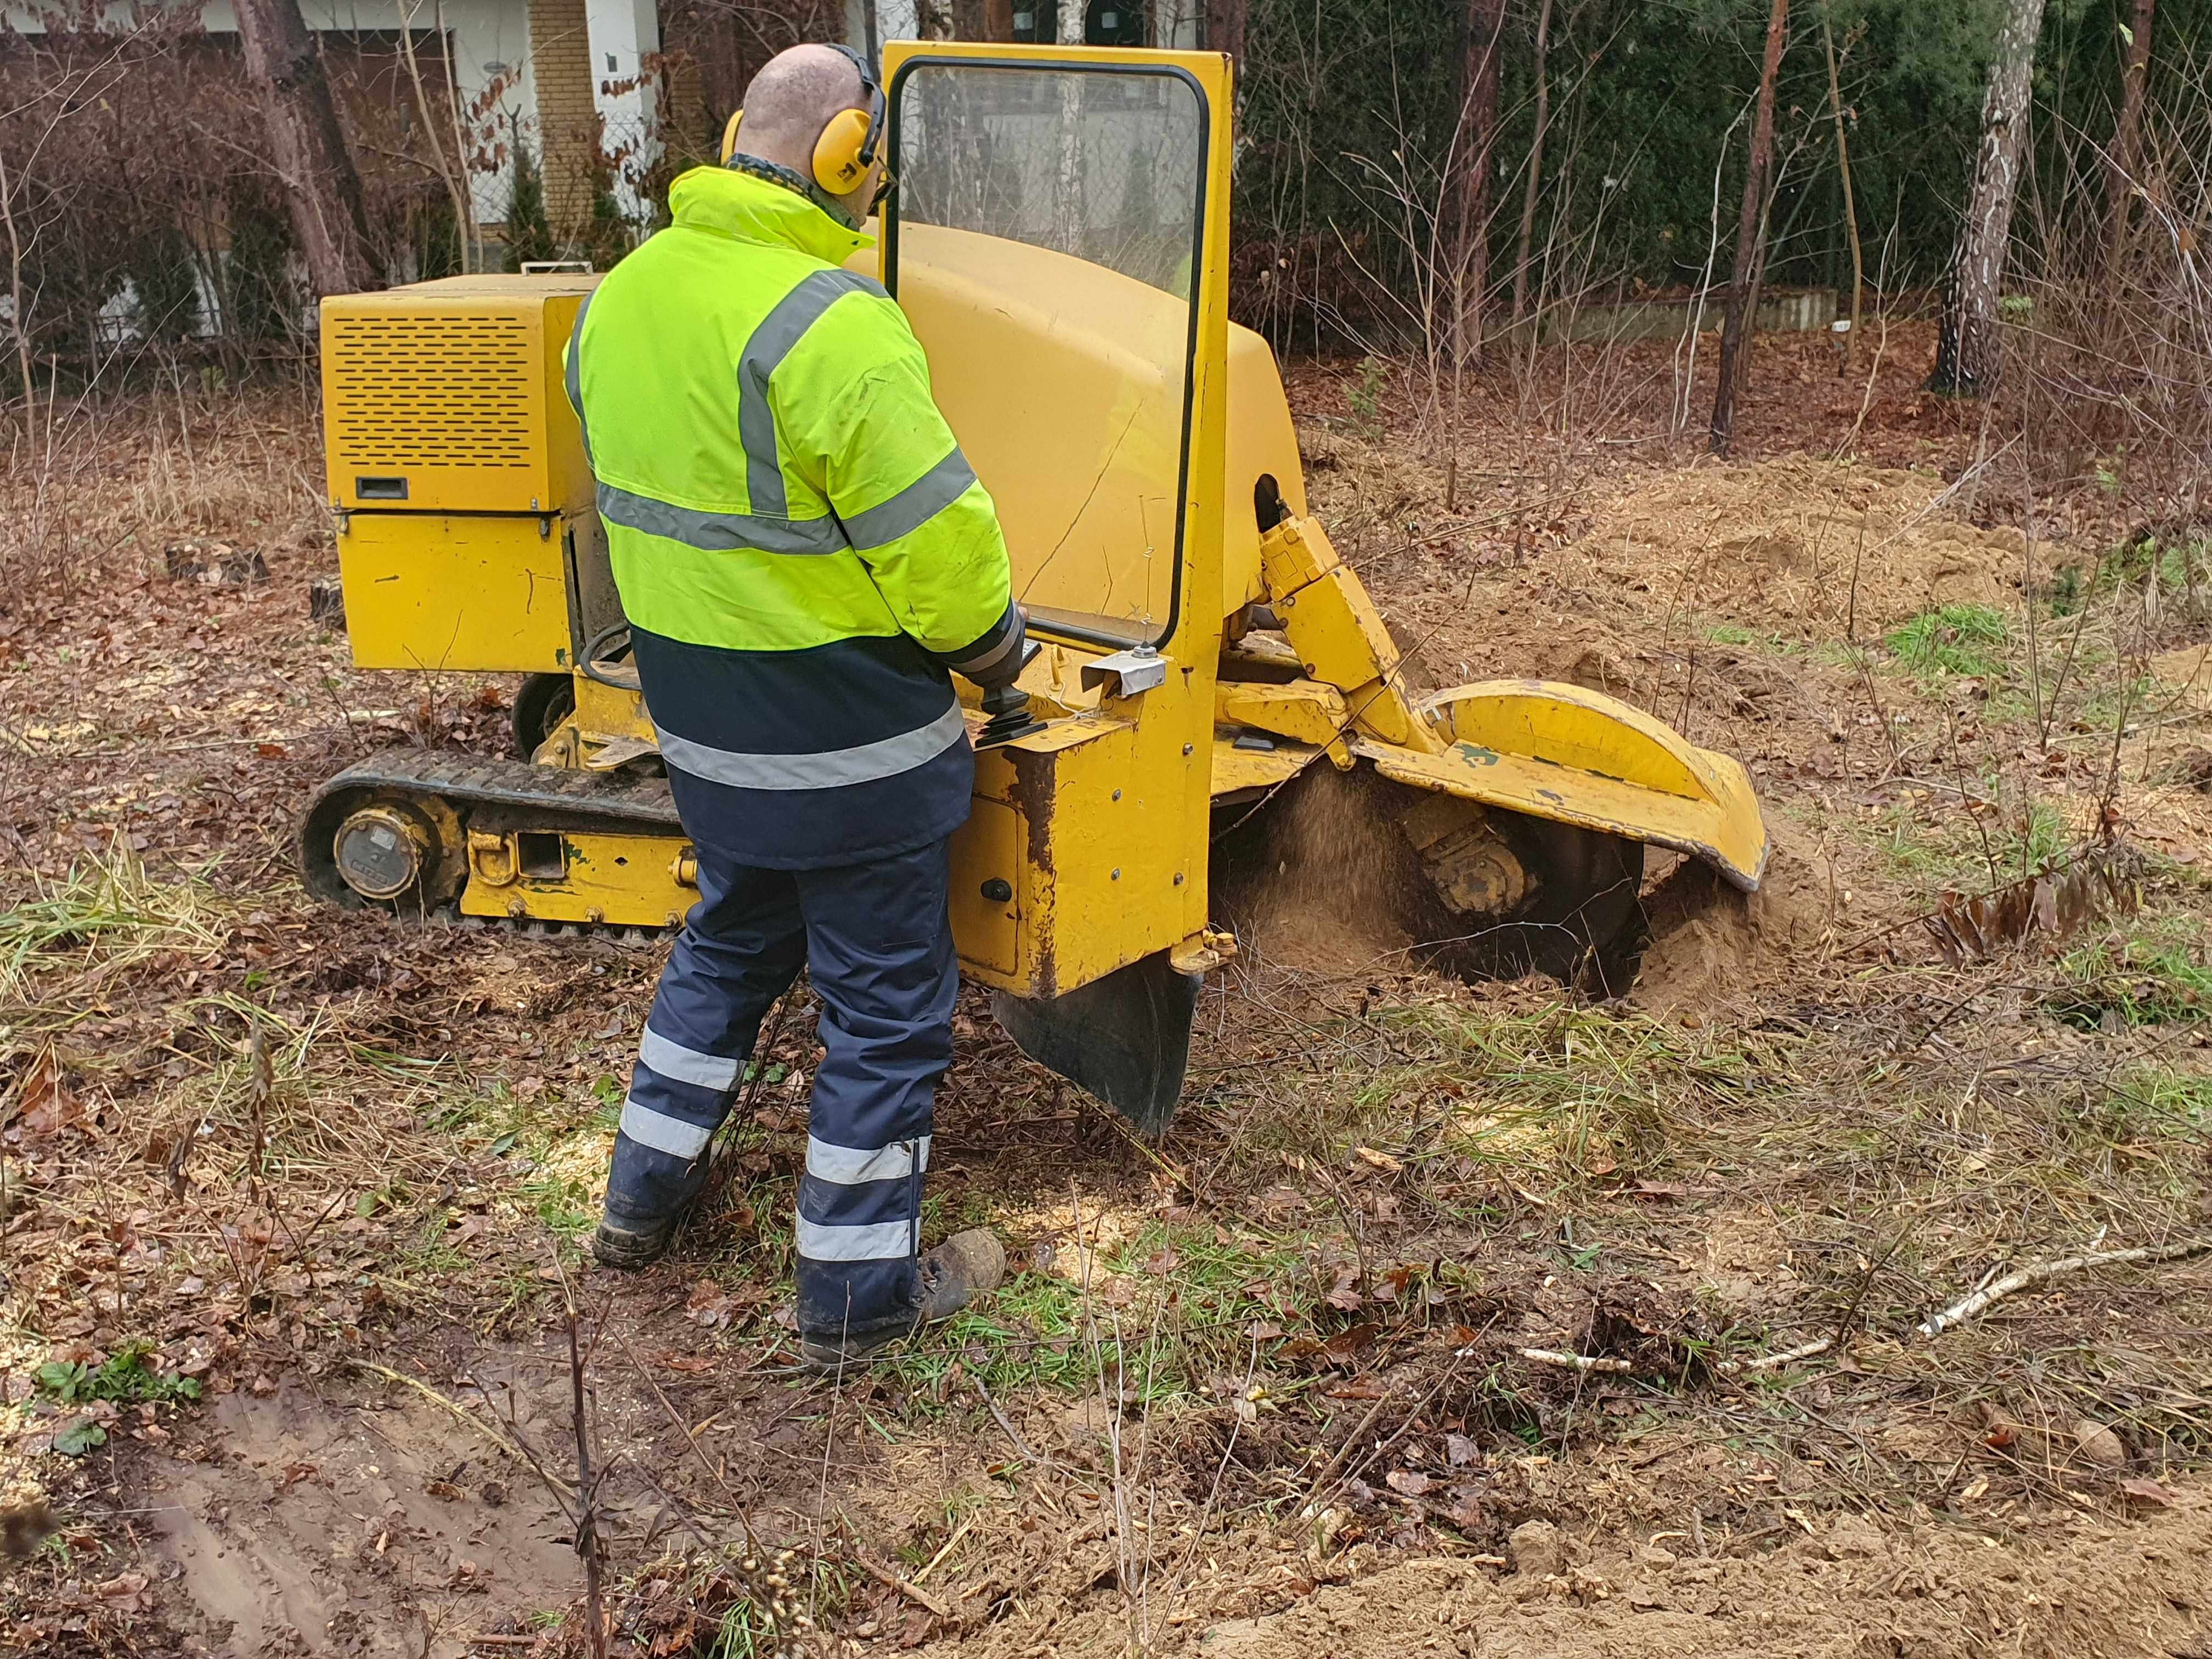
(802, 550)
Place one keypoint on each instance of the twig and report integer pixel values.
(691, 1440)
(1843, 1325)
(958, 1533)
(1767, 1362)
(1958, 1312)
(1577, 1362)
(1021, 1445)
(260, 1082)
(1586, 1362)
(587, 1528)
(913, 1593)
(1328, 1470)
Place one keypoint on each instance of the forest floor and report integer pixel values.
(295, 1201)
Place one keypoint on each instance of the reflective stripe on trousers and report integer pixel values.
(877, 940)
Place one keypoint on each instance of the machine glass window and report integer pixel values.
(1045, 242)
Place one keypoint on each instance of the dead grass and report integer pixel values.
(96, 485)
(1284, 1347)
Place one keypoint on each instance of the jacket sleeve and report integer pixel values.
(912, 507)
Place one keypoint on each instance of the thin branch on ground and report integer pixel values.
(1967, 1307)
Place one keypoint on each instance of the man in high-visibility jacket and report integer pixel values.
(805, 559)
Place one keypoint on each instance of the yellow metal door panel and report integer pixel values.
(455, 593)
(986, 883)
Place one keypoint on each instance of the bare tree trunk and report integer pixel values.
(1746, 230)
(2120, 164)
(1966, 344)
(1850, 211)
(1224, 27)
(1761, 245)
(1533, 185)
(1468, 192)
(322, 192)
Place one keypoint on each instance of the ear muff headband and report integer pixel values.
(847, 147)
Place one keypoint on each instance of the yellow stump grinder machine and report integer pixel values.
(1059, 235)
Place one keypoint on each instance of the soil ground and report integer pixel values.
(294, 1200)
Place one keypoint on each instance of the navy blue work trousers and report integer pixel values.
(877, 941)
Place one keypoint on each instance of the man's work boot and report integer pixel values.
(642, 1212)
(947, 1278)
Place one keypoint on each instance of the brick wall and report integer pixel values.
(568, 120)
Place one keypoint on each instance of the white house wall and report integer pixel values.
(623, 33)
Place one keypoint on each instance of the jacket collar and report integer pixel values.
(756, 209)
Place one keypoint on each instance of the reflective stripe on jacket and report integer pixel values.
(801, 549)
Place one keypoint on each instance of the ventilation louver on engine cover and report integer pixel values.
(433, 390)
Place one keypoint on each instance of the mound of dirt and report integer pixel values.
(1807, 542)
(1851, 1590)
(1712, 943)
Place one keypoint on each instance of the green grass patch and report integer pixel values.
(2154, 973)
(1165, 1310)
(1957, 639)
(110, 904)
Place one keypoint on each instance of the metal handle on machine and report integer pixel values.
(592, 657)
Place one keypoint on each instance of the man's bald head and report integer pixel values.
(791, 99)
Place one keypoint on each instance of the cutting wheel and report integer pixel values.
(1342, 870)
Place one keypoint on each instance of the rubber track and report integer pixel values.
(625, 803)
(553, 797)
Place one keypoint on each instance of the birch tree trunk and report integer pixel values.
(322, 192)
(2127, 131)
(1967, 344)
(1747, 229)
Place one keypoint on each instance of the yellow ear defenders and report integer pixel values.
(847, 147)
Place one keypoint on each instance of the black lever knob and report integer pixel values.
(1007, 711)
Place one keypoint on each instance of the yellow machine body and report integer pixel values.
(1143, 460)
(457, 472)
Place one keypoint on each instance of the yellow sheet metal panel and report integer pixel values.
(1578, 756)
(1235, 770)
(1303, 710)
(1105, 880)
(1063, 381)
(451, 592)
(447, 396)
(987, 887)
(604, 712)
(1260, 441)
(621, 881)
